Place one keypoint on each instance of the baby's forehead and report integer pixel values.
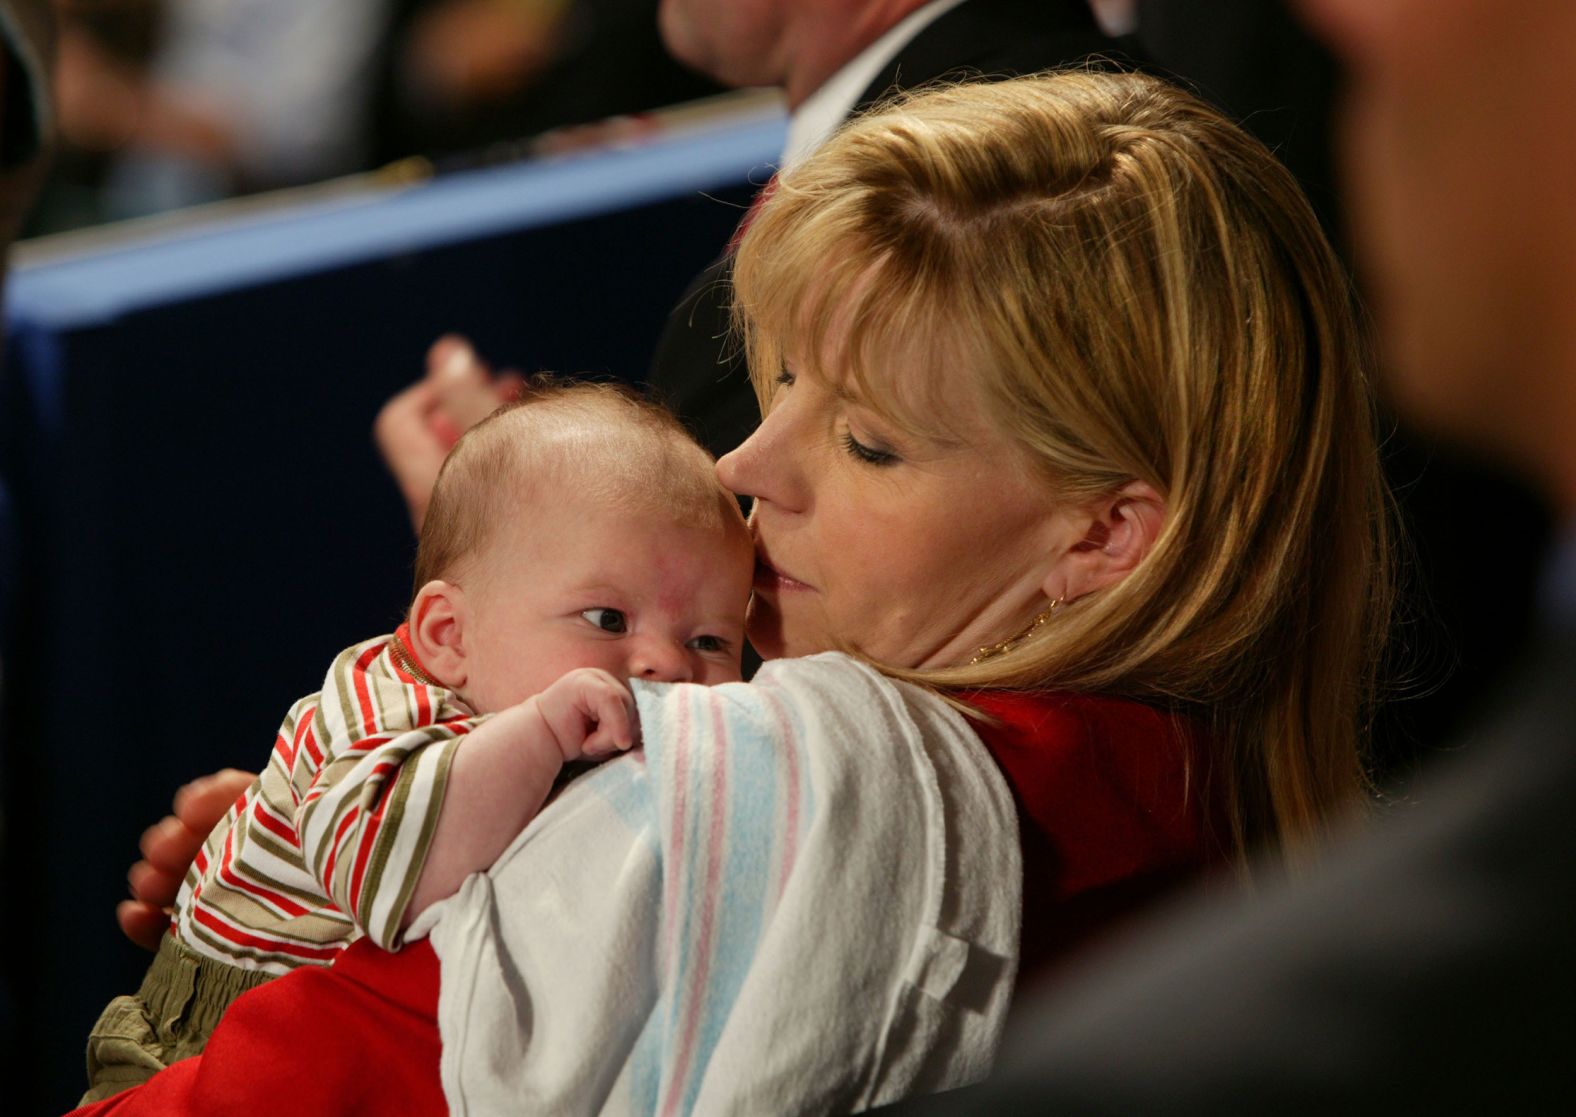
(612, 523)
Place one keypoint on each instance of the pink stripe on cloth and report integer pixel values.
(716, 835)
(670, 898)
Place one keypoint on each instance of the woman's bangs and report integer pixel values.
(899, 362)
(862, 328)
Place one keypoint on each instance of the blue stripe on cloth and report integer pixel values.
(624, 784)
(644, 1068)
(751, 756)
(753, 844)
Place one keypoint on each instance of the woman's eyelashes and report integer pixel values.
(870, 455)
(861, 451)
(608, 620)
(780, 384)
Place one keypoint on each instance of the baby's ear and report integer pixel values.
(437, 632)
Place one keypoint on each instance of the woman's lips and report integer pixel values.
(768, 577)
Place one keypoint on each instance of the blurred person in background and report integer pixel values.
(237, 95)
(168, 103)
(466, 74)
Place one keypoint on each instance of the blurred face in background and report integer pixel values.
(1460, 157)
(794, 44)
(738, 42)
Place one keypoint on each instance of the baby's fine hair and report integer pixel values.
(564, 441)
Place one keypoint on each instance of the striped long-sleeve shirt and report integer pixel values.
(327, 844)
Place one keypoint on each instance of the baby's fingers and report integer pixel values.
(617, 728)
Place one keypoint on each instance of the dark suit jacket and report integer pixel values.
(1429, 968)
(694, 370)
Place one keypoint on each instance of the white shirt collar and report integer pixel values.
(821, 112)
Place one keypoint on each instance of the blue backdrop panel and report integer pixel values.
(199, 520)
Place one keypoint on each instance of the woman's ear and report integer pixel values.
(437, 632)
(1121, 529)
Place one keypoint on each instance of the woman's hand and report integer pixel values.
(168, 848)
(417, 428)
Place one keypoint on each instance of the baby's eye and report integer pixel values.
(708, 644)
(608, 620)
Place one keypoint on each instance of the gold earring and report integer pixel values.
(993, 650)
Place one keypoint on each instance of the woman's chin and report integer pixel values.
(775, 637)
(763, 628)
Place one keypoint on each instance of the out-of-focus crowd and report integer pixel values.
(169, 103)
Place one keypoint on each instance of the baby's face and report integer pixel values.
(635, 594)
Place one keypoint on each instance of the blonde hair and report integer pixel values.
(1139, 291)
(580, 443)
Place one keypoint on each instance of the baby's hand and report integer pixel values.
(590, 714)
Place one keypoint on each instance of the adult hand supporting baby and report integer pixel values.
(416, 428)
(168, 847)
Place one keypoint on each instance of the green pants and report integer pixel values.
(170, 1018)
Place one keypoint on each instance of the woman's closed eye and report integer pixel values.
(608, 620)
(870, 455)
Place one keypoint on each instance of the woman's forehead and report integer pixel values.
(920, 387)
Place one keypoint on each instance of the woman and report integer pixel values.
(1065, 427)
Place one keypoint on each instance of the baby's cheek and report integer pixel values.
(714, 673)
(539, 671)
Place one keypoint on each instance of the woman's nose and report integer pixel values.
(763, 467)
(661, 661)
(733, 468)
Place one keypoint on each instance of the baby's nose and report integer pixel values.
(661, 661)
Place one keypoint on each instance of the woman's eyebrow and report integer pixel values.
(845, 394)
(911, 421)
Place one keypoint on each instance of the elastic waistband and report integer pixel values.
(189, 991)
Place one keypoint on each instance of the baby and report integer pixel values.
(575, 539)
